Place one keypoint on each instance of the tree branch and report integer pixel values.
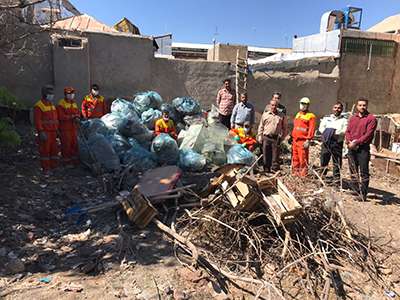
(19, 4)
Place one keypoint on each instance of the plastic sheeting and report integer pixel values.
(240, 155)
(145, 100)
(208, 141)
(196, 119)
(104, 153)
(190, 160)
(214, 154)
(186, 106)
(194, 138)
(112, 120)
(213, 115)
(166, 149)
(124, 108)
(150, 116)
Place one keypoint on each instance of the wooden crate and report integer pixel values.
(282, 204)
(138, 209)
(243, 196)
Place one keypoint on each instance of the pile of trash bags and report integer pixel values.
(124, 138)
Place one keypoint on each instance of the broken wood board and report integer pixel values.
(138, 209)
(159, 180)
(281, 215)
(243, 196)
(288, 200)
(282, 204)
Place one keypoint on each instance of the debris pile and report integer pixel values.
(280, 233)
(279, 239)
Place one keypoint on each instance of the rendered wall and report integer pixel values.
(321, 90)
(24, 72)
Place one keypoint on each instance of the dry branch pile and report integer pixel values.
(308, 254)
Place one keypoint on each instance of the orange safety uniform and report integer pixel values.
(303, 130)
(93, 107)
(46, 120)
(67, 111)
(165, 127)
(248, 139)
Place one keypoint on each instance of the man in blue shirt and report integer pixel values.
(242, 112)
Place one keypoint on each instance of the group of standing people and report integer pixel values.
(336, 130)
(61, 120)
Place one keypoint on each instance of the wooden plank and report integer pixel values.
(289, 200)
(232, 198)
(243, 188)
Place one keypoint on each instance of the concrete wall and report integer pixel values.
(375, 84)
(30, 68)
(199, 79)
(122, 65)
(224, 52)
(321, 90)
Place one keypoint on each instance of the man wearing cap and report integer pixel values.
(165, 125)
(46, 124)
(303, 132)
(68, 116)
(93, 105)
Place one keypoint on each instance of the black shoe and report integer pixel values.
(267, 170)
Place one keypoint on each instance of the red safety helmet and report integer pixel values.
(69, 90)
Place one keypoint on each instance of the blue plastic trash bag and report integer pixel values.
(238, 154)
(84, 154)
(166, 149)
(135, 129)
(134, 143)
(190, 160)
(146, 100)
(92, 126)
(104, 153)
(150, 116)
(124, 108)
(119, 143)
(112, 120)
(139, 159)
(172, 112)
(186, 106)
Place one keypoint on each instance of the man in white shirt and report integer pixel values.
(333, 128)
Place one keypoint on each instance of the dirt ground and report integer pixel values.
(51, 249)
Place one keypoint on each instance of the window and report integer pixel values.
(365, 46)
(70, 43)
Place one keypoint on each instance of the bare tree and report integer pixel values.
(21, 20)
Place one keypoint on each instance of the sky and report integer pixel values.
(263, 23)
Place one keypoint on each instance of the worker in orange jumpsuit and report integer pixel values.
(93, 105)
(303, 132)
(46, 124)
(68, 116)
(165, 125)
(244, 136)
